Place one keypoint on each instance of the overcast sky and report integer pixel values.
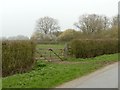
(18, 17)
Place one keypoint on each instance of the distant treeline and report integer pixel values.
(18, 37)
(88, 26)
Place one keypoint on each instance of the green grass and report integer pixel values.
(48, 75)
(43, 50)
(54, 46)
(0, 83)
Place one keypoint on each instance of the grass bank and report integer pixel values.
(48, 75)
(0, 83)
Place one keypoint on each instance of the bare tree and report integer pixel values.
(36, 35)
(47, 25)
(92, 23)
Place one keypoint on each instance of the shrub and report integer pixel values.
(91, 48)
(17, 56)
(68, 35)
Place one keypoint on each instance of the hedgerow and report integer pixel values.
(17, 56)
(91, 48)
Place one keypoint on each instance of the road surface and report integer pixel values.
(106, 77)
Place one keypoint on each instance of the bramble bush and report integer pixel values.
(17, 56)
(91, 48)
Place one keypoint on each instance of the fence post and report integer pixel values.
(66, 50)
(50, 55)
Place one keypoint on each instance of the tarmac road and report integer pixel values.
(106, 77)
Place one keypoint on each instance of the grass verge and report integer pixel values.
(50, 75)
(0, 83)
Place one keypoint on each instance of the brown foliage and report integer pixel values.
(17, 56)
(91, 48)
